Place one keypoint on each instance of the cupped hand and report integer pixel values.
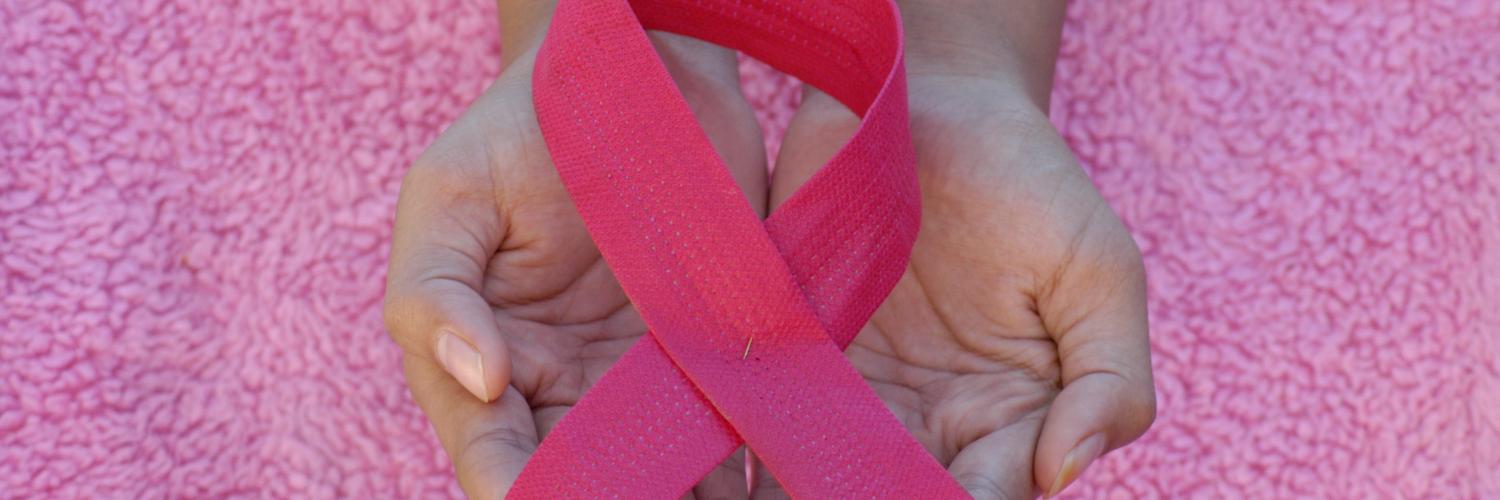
(502, 305)
(1015, 346)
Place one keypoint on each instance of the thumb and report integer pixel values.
(1097, 317)
(447, 227)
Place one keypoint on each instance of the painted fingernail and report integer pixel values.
(1076, 461)
(463, 362)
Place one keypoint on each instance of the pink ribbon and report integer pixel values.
(747, 319)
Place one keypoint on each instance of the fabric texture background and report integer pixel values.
(195, 202)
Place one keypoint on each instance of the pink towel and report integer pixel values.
(195, 201)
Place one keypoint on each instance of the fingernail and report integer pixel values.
(1076, 461)
(749, 470)
(463, 362)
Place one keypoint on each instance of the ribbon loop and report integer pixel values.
(710, 279)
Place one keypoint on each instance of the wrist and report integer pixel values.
(697, 66)
(523, 23)
(1009, 44)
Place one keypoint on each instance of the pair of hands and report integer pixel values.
(1014, 348)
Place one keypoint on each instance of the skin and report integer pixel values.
(1014, 348)
(487, 245)
(1019, 330)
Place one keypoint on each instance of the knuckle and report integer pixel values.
(399, 312)
(1148, 409)
(431, 176)
(446, 173)
(490, 446)
(391, 314)
(492, 450)
(982, 487)
(1119, 253)
(1141, 410)
(1128, 252)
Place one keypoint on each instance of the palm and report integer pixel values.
(960, 351)
(565, 317)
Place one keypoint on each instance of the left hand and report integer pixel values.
(1015, 346)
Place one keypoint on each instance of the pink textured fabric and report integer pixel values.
(195, 200)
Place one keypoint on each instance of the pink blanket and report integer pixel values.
(195, 201)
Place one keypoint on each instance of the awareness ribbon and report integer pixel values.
(748, 319)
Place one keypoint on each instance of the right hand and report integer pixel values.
(502, 305)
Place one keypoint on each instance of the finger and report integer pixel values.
(447, 226)
(725, 481)
(1097, 316)
(815, 134)
(998, 465)
(489, 443)
(708, 77)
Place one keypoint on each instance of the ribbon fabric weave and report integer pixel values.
(710, 279)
